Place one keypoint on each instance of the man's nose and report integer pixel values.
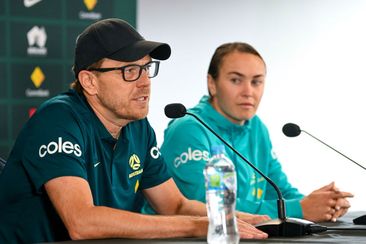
(144, 79)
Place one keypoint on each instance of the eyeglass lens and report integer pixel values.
(133, 72)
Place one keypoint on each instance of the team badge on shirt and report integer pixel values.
(134, 162)
(257, 191)
(135, 165)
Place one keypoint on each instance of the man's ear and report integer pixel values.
(88, 81)
(211, 85)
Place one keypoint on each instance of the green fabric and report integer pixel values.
(186, 149)
(65, 138)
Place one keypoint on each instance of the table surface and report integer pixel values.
(350, 233)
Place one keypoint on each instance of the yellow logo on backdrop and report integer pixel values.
(90, 4)
(37, 77)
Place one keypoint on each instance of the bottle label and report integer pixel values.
(221, 181)
(214, 181)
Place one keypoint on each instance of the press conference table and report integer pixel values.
(331, 236)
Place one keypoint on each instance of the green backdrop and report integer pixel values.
(37, 40)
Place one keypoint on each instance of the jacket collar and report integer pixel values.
(206, 111)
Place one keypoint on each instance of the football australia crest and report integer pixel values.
(135, 165)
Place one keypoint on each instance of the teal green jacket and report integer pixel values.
(186, 150)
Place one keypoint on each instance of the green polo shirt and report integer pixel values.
(65, 138)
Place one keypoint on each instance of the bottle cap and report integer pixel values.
(217, 149)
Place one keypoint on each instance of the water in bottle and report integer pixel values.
(220, 180)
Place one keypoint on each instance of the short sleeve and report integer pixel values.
(54, 145)
(186, 150)
(155, 171)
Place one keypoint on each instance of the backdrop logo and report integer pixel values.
(30, 3)
(31, 111)
(37, 77)
(90, 5)
(37, 38)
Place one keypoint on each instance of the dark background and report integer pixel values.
(62, 21)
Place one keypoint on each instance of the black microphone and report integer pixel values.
(175, 110)
(282, 226)
(293, 130)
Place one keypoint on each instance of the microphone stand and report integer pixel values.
(334, 149)
(293, 130)
(283, 226)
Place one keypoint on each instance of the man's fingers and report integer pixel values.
(249, 231)
(258, 219)
(252, 218)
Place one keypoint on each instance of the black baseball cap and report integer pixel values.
(115, 39)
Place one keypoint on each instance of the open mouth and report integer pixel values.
(142, 99)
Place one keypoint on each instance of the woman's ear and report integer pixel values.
(88, 81)
(211, 85)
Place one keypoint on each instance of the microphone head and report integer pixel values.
(175, 110)
(291, 130)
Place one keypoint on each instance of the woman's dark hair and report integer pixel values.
(226, 49)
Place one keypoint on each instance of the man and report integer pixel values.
(236, 78)
(82, 164)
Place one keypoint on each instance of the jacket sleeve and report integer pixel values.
(261, 197)
(291, 194)
(186, 151)
(269, 207)
(268, 203)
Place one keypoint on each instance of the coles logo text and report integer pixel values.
(59, 147)
(155, 153)
(195, 155)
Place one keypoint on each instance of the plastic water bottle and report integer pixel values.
(220, 180)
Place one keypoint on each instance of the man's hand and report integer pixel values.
(325, 204)
(248, 231)
(252, 218)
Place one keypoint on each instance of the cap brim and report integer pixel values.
(140, 49)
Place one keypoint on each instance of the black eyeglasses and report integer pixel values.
(133, 72)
